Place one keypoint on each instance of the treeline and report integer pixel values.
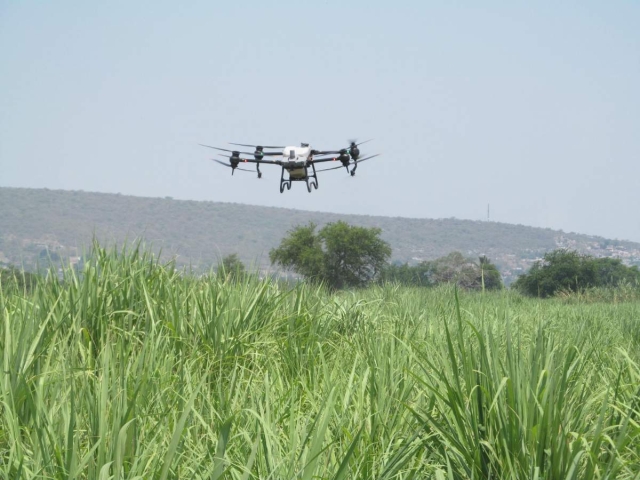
(14, 279)
(453, 268)
(342, 256)
(570, 271)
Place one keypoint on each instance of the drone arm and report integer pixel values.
(266, 162)
(320, 160)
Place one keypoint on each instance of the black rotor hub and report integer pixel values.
(234, 160)
(344, 157)
(259, 154)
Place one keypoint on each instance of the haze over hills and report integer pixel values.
(37, 223)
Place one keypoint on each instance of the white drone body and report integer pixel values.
(297, 158)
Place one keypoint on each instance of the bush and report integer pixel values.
(12, 279)
(453, 268)
(231, 266)
(405, 274)
(340, 255)
(569, 271)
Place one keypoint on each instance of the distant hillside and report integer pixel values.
(38, 223)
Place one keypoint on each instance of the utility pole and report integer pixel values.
(488, 213)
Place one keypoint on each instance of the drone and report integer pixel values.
(298, 162)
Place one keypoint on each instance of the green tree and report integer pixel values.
(568, 270)
(405, 274)
(611, 272)
(559, 270)
(452, 268)
(491, 278)
(339, 254)
(13, 279)
(301, 252)
(232, 266)
(455, 268)
(466, 273)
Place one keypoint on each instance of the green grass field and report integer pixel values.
(133, 370)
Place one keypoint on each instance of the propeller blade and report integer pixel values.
(230, 166)
(336, 152)
(350, 163)
(366, 158)
(266, 154)
(332, 168)
(224, 149)
(254, 146)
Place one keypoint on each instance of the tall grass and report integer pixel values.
(132, 369)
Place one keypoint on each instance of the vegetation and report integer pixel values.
(65, 222)
(12, 279)
(340, 255)
(131, 369)
(404, 274)
(453, 268)
(569, 271)
(489, 274)
(232, 266)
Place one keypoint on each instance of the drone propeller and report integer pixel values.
(352, 163)
(260, 147)
(235, 152)
(352, 150)
(230, 166)
(353, 143)
(258, 154)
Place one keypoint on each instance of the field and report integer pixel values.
(135, 370)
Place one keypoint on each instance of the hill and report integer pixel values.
(36, 224)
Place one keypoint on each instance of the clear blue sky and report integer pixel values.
(532, 107)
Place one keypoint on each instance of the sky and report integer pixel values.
(532, 108)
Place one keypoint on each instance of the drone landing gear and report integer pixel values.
(310, 179)
(314, 178)
(284, 183)
(310, 184)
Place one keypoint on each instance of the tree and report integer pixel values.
(567, 270)
(405, 274)
(559, 270)
(231, 266)
(12, 278)
(453, 268)
(611, 272)
(466, 273)
(301, 252)
(339, 254)
(491, 278)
